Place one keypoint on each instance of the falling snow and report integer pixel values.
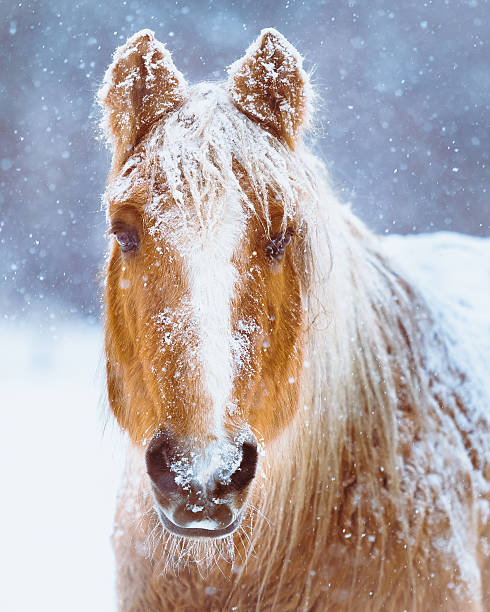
(402, 123)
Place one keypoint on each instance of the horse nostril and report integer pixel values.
(221, 515)
(246, 470)
(158, 463)
(184, 515)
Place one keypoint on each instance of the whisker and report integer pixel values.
(260, 513)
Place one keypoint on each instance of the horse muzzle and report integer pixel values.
(200, 494)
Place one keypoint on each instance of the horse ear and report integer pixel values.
(140, 86)
(269, 85)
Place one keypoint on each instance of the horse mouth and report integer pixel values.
(197, 532)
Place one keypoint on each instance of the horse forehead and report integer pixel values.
(215, 230)
(208, 245)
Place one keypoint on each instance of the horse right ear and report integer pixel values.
(269, 85)
(140, 86)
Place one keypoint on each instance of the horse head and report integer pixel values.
(205, 280)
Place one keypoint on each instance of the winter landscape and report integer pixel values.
(401, 123)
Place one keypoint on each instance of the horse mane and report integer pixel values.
(366, 387)
(377, 380)
(362, 367)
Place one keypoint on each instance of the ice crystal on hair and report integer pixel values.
(202, 152)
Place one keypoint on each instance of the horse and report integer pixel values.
(307, 429)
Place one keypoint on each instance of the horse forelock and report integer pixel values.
(199, 156)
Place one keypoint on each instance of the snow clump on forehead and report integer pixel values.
(201, 151)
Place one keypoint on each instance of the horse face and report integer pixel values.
(204, 313)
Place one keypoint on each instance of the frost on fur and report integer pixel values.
(270, 85)
(140, 86)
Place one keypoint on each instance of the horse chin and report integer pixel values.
(202, 532)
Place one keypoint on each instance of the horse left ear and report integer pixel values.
(269, 85)
(140, 86)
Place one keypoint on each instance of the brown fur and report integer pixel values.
(350, 509)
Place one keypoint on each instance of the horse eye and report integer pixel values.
(276, 246)
(127, 239)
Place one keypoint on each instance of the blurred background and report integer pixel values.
(402, 124)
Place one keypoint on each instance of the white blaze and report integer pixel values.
(212, 279)
(207, 253)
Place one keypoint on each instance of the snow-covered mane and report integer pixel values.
(203, 150)
(290, 392)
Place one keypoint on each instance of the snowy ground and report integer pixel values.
(59, 472)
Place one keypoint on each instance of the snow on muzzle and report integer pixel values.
(201, 493)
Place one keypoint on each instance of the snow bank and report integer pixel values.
(452, 271)
(59, 472)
